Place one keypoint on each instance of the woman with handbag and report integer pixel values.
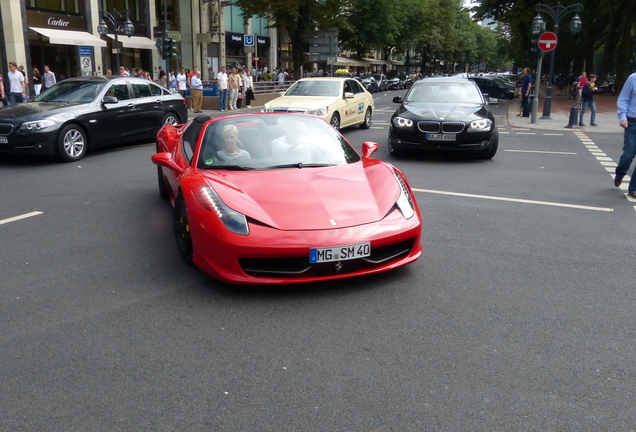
(248, 84)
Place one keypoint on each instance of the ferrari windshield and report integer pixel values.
(436, 92)
(315, 87)
(272, 141)
(72, 91)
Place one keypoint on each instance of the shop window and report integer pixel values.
(71, 7)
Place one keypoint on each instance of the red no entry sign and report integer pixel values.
(547, 41)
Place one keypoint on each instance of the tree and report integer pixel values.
(298, 18)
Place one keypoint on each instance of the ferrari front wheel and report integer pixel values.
(181, 226)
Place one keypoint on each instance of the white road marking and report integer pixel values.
(516, 200)
(526, 133)
(539, 151)
(374, 127)
(16, 218)
(553, 134)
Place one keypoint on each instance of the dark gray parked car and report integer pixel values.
(89, 112)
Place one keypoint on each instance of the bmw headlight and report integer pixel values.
(37, 125)
(404, 202)
(481, 125)
(233, 220)
(402, 122)
(322, 111)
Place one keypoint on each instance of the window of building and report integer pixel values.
(71, 7)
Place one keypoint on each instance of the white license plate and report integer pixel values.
(3, 140)
(339, 253)
(441, 137)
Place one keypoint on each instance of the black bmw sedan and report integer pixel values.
(89, 112)
(443, 114)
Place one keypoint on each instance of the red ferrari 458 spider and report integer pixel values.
(283, 198)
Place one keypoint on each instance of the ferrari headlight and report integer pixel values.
(404, 202)
(36, 125)
(233, 220)
(322, 111)
(402, 122)
(481, 125)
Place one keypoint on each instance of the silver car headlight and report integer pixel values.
(404, 202)
(264, 109)
(37, 125)
(481, 125)
(402, 122)
(233, 220)
(322, 111)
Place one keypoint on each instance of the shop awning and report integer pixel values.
(346, 61)
(377, 61)
(69, 37)
(134, 41)
(397, 63)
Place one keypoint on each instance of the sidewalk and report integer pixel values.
(606, 117)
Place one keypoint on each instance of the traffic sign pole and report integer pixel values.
(548, 42)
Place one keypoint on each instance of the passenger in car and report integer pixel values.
(231, 151)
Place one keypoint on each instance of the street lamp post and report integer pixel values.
(556, 13)
(116, 19)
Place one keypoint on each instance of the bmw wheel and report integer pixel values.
(181, 226)
(366, 124)
(72, 143)
(490, 151)
(394, 148)
(170, 118)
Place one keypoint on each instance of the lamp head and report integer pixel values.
(102, 28)
(576, 24)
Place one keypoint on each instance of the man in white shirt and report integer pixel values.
(196, 86)
(48, 78)
(17, 88)
(182, 80)
(222, 81)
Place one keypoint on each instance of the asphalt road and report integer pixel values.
(519, 315)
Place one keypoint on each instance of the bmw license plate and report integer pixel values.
(3, 140)
(339, 253)
(440, 137)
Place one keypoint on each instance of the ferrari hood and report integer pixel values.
(443, 111)
(310, 198)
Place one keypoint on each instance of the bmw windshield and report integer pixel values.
(72, 91)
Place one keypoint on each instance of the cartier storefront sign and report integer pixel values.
(56, 21)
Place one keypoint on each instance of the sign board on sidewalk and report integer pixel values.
(547, 41)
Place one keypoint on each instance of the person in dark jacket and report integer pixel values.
(587, 100)
(526, 87)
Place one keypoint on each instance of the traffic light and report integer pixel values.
(174, 52)
(167, 48)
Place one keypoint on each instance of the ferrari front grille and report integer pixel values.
(300, 267)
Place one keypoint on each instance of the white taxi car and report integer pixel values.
(341, 102)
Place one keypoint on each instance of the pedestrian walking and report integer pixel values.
(249, 89)
(626, 105)
(17, 87)
(234, 85)
(36, 79)
(222, 81)
(587, 100)
(172, 82)
(579, 88)
(526, 87)
(182, 82)
(196, 90)
(48, 78)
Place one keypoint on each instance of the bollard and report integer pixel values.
(574, 117)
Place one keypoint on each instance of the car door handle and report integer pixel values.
(158, 101)
(131, 105)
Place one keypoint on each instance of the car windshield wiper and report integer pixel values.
(231, 167)
(300, 165)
